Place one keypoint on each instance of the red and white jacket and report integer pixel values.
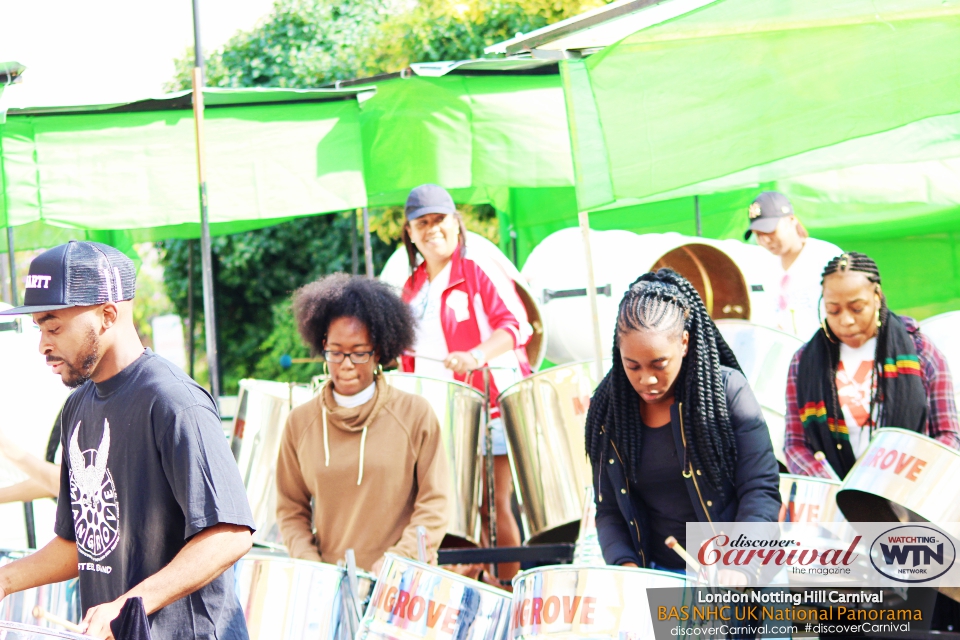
(485, 305)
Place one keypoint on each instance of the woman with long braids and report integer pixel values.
(865, 368)
(674, 433)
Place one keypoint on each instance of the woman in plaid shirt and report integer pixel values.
(865, 368)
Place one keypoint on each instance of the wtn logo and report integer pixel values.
(913, 553)
(922, 554)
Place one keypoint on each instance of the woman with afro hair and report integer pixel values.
(361, 465)
(674, 433)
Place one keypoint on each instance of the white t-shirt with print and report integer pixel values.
(429, 342)
(855, 385)
(799, 289)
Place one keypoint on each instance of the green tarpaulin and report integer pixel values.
(272, 155)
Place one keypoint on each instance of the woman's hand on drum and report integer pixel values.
(460, 362)
(97, 621)
(731, 578)
(630, 564)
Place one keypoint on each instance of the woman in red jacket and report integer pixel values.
(467, 316)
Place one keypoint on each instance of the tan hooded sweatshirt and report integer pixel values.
(375, 472)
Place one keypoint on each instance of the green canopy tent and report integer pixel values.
(848, 107)
(125, 173)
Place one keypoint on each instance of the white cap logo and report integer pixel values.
(38, 282)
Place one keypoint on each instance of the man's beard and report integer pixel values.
(76, 375)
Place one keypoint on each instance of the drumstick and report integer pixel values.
(40, 614)
(822, 459)
(676, 546)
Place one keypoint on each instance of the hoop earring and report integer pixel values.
(326, 370)
(879, 324)
(826, 330)
(378, 371)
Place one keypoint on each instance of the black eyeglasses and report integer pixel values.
(357, 357)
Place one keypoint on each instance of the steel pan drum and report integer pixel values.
(62, 599)
(814, 501)
(764, 355)
(262, 410)
(459, 408)
(289, 599)
(17, 631)
(414, 601)
(567, 602)
(543, 418)
(897, 480)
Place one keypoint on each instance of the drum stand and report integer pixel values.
(488, 465)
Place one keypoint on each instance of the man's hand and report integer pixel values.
(375, 569)
(97, 621)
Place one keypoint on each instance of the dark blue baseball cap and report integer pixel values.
(77, 274)
(429, 198)
(766, 211)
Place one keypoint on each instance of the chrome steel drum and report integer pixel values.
(764, 355)
(18, 631)
(543, 418)
(903, 476)
(62, 599)
(458, 407)
(814, 499)
(262, 410)
(568, 602)
(414, 601)
(289, 599)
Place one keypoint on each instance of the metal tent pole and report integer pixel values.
(584, 219)
(13, 267)
(28, 519)
(696, 213)
(354, 245)
(206, 255)
(367, 247)
(191, 311)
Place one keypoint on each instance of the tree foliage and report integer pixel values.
(311, 43)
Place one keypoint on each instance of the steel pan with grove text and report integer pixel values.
(289, 599)
(19, 631)
(459, 409)
(544, 417)
(764, 355)
(903, 476)
(417, 601)
(814, 500)
(570, 602)
(262, 410)
(61, 599)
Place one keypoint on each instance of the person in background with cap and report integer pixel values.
(467, 317)
(802, 258)
(151, 502)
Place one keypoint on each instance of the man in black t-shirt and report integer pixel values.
(151, 502)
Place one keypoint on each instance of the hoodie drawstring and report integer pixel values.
(326, 441)
(363, 444)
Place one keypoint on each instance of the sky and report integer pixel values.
(104, 51)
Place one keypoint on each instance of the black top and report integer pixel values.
(661, 488)
(751, 495)
(146, 467)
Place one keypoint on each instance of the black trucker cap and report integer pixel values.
(77, 274)
(428, 198)
(766, 211)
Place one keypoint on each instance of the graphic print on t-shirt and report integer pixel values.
(96, 513)
(854, 391)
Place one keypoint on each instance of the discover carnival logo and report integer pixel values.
(913, 553)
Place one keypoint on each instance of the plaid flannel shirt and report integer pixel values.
(941, 406)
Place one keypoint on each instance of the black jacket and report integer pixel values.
(752, 495)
